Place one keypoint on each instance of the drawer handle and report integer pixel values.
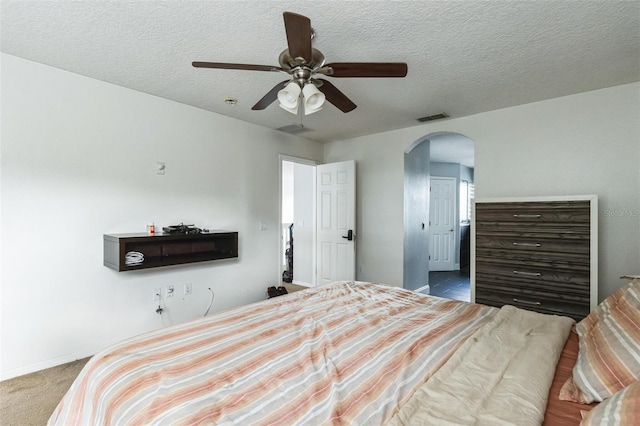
(527, 244)
(527, 302)
(529, 274)
(537, 216)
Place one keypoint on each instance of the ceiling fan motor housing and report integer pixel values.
(287, 62)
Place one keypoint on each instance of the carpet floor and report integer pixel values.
(29, 400)
(293, 287)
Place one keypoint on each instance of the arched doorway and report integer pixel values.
(442, 157)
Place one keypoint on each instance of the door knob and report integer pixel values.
(349, 235)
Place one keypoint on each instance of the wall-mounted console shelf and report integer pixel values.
(129, 252)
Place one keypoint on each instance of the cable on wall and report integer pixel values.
(210, 303)
(159, 310)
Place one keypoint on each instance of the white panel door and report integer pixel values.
(336, 223)
(442, 219)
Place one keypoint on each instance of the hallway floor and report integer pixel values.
(450, 284)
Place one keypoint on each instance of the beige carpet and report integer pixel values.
(30, 399)
(293, 287)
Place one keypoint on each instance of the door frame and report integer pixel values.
(281, 248)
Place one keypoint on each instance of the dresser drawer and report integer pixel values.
(532, 244)
(575, 262)
(576, 309)
(511, 290)
(532, 275)
(568, 231)
(552, 290)
(555, 212)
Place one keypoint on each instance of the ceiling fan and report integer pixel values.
(304, 63)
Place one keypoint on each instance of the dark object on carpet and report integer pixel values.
(274, 292)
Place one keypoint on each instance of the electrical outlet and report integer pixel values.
(156, 294)
(187, 289)
(170, 290)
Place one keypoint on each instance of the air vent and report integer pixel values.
(433, 117)
(294, 129)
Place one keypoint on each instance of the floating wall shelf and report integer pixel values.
(129, 252)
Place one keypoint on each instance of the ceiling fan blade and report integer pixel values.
(270, 97)
(298, 29)
(335, 96)
(227, 66)
(366, 69)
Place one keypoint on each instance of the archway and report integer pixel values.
(441, 154)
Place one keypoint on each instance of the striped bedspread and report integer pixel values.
(348, 353)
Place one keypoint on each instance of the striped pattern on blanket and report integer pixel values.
(348, 353)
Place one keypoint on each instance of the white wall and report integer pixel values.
(575, 145)
(79, 160)
(379, 204)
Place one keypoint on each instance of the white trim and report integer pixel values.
(424, 287)
(300, 160)
(593, 250)
(472, 254)
(48, 363)
(540, 198)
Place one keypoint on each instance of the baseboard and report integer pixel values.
(302, 283)
(424, 289)
(43, 365)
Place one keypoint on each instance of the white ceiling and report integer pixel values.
(463, 57)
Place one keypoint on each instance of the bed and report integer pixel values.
(348, 353)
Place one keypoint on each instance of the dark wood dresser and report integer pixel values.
(539, 254)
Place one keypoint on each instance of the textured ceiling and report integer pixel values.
(463, 57)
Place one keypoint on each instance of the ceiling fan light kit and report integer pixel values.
(302, 62)
(288, 96)
(313, 98)
(293, 110)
